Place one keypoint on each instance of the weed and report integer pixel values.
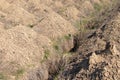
(46, 54)
(80, 25)
(97, 7)
(56, 47)
(62, 10)
(57, 42)
(19, 73)
(68, 37)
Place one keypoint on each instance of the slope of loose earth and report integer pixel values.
(36, 34)
(98, 56)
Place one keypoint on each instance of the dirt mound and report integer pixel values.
(98, 56)
(23, 52)
(27, 51)
(35, 14)
(75, 10)
(36, 35)
(15, 15)
(18, 49)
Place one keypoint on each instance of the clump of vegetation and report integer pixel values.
(91, 21)
(68, 37)
(80, 25)
(2, 77)
(62, 10)
(56, 47)
(97, 7)
(19, 73)
(46, 54)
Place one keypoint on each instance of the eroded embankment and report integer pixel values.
(98, 54)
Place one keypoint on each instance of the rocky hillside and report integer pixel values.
(37, 36)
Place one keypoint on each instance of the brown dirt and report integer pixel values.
(36, 36)
(98, 56)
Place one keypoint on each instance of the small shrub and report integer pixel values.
(56, 47)
(19, 73)
(46, 54)
(80, 25)
(68, 37)
(62, 10)
(97, 7)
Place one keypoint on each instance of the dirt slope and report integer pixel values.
(98, 56)
(19, 51)
(26, 51)
(37, 34)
